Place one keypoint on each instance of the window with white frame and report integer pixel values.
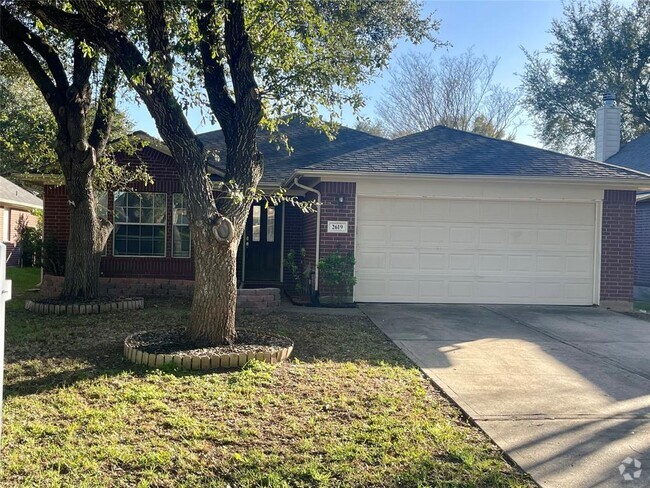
(181, 241)
(140, 224)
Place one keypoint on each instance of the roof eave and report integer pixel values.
(641, 183)
(20, 205)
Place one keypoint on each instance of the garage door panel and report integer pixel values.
(404, 235)
(493, 235)
(460, 289)
(492, 263)
(403, 261)
(371, 260)
(463, 236)
(461, 262)
(372, 233)
(505, 252)
(431, 290)
(580, 238)
(579, 265)
(432, 262)
(432, 236)
(521, 236)
(464, 211)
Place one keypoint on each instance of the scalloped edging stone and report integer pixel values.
(136, 303)
(205, 362)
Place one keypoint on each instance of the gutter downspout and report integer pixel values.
(318, 200)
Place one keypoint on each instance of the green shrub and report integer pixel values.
(337, 273)
(296, 264)
(30, 240)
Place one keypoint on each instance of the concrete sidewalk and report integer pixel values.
(565, 391)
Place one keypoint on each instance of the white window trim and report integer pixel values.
(115, 224)
(189, 256)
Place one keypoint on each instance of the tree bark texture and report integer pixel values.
(88, 232)
(78, 146)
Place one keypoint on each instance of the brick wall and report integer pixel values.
(617, 247)
(166, 180)
(642, 245)
(257, 299)
(332, 209)
(293, 239)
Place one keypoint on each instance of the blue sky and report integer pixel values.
(496, 28)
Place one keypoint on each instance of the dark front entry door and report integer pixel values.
(263, 244)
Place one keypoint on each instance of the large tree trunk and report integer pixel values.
(215, 243)
(88, 233)
(215, 289)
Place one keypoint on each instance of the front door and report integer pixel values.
(263, 244)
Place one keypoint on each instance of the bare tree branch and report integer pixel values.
(457, 92)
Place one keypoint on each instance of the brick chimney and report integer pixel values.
(608, 128)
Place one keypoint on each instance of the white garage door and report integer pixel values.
(479, 251)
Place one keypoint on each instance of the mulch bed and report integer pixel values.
(177, 343)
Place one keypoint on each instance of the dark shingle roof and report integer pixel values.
(11, 193)
(309, 147)
(635, 154)
(445, 151)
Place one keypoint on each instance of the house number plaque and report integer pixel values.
(337, 227)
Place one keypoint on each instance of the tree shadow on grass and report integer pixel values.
(49, 352)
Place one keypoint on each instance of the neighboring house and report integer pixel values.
(636, 155)
(17, 206)
(442, 216)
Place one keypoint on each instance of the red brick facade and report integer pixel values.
(617, 247)
(163, 170)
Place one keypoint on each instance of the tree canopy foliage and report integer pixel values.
(27, 127)
(455, 91)
(597, 47)
(247, 63)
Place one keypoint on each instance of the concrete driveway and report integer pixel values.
(565, 391)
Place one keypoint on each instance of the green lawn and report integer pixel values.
(348, 410)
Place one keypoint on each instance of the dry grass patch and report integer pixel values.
(349, 410)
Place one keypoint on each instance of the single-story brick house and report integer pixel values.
(439, 216)
(17, 206)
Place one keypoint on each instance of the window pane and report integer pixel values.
(133, 215)
(179, 200)
(147, 199)
(120, 199)
(139, 240)
(160, 200)
(256, 222)
(181, 241)
(120, 214)
(133, 200)
(160, 215)
(270, 224)
(146, 215)
(102, 204)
